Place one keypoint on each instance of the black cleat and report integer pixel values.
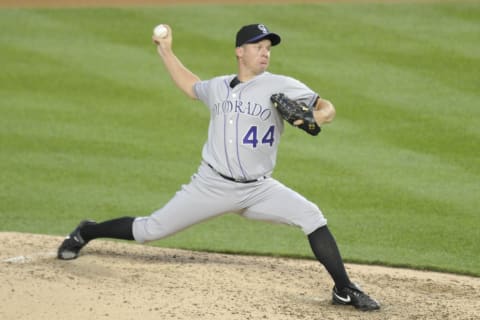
(353, 295)
(73, 243)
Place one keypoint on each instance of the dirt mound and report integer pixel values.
(119, 280)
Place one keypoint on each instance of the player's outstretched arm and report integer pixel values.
(181, 76)
(323, 112)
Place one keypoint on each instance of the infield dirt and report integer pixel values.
(119, 280)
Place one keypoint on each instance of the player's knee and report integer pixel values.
(313, 220)
(313, 225)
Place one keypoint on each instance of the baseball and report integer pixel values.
(160, 31)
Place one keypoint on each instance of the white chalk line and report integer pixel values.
(30, 258)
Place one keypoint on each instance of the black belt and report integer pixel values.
(233, 179)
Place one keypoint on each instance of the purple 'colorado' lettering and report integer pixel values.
(242, 107)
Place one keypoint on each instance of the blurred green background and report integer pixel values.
(91, 125)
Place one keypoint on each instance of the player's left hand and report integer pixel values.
(295, 113)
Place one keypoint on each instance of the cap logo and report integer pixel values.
(262, 28)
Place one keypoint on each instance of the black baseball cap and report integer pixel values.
(255, 32)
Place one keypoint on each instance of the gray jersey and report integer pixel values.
(245, 128)
(243, 139)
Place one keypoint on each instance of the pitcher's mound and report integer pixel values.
(120, 280)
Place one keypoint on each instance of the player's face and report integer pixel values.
(255, 57)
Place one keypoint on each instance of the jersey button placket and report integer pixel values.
(231, 131)
(230, 140)
(231, 145)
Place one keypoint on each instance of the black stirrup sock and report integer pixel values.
(326, 251)
(120, 228)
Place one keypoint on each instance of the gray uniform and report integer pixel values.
(243, 138)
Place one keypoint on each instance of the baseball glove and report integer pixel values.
(296, 113)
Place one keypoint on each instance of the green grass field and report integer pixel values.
(91, 125)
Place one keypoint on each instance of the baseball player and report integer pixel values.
(247, 113)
